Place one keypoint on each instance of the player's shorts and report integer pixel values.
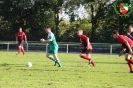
(86, 51)
(53, 50)
(127, 50)
(20, 42)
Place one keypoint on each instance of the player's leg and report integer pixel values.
(55, 52)
(82, 54)
(90, 61)
(22, 48)
(89, 56)
(23, 51)
(130, 61)
(57, 60)
(49, 52)
(48, 55)
(19, 47)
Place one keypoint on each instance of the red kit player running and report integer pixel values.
(85, 53)
(127, 45)
(20, 39)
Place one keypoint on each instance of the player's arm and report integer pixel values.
(88, 43)
(123, 50)
(48, 40)
(25, 38)
(43, 40)
(128, 46)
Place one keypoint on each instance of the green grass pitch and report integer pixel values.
(111, 71)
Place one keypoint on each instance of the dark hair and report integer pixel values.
(48, 26)
(20, 27)
(115, 32)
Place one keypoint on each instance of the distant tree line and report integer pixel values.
(34, 15)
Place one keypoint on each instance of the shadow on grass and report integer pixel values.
(11, 65)
(111, 62)
(4, 64)
(42, 70)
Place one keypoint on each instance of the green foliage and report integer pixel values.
(68, 30)
(34, 16)
(105, 20)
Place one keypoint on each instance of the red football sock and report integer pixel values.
(85, 57)
(92, 62)
(22, 49)
(131, 61)
(19, 50)
(130, 65)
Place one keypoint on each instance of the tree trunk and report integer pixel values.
(93, 29)
(56, 17)
(121, 25)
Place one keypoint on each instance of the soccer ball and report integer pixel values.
(29, 64)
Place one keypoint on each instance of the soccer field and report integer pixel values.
(111, 71)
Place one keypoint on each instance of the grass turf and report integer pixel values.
(111, 71)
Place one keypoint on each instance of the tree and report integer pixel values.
(33, 17)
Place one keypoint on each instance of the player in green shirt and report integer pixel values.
(53, 49)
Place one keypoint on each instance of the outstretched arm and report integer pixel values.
(43, 40)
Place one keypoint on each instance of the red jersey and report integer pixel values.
(83, 39)
(121, 38)
(20, 35)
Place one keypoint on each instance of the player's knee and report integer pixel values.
(55, 56)
(80, 55)
(127, 59)
(47, 55)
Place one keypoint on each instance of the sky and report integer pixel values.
(80, 11)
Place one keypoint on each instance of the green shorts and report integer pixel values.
(53, 50)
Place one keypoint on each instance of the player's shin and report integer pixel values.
(85, 57)
(19, 50)
(130, 65)
(59, 63)
(23, 51)
(131, 60)
(52, 58)
(93, 63)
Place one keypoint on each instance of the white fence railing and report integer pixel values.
(109, 45)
